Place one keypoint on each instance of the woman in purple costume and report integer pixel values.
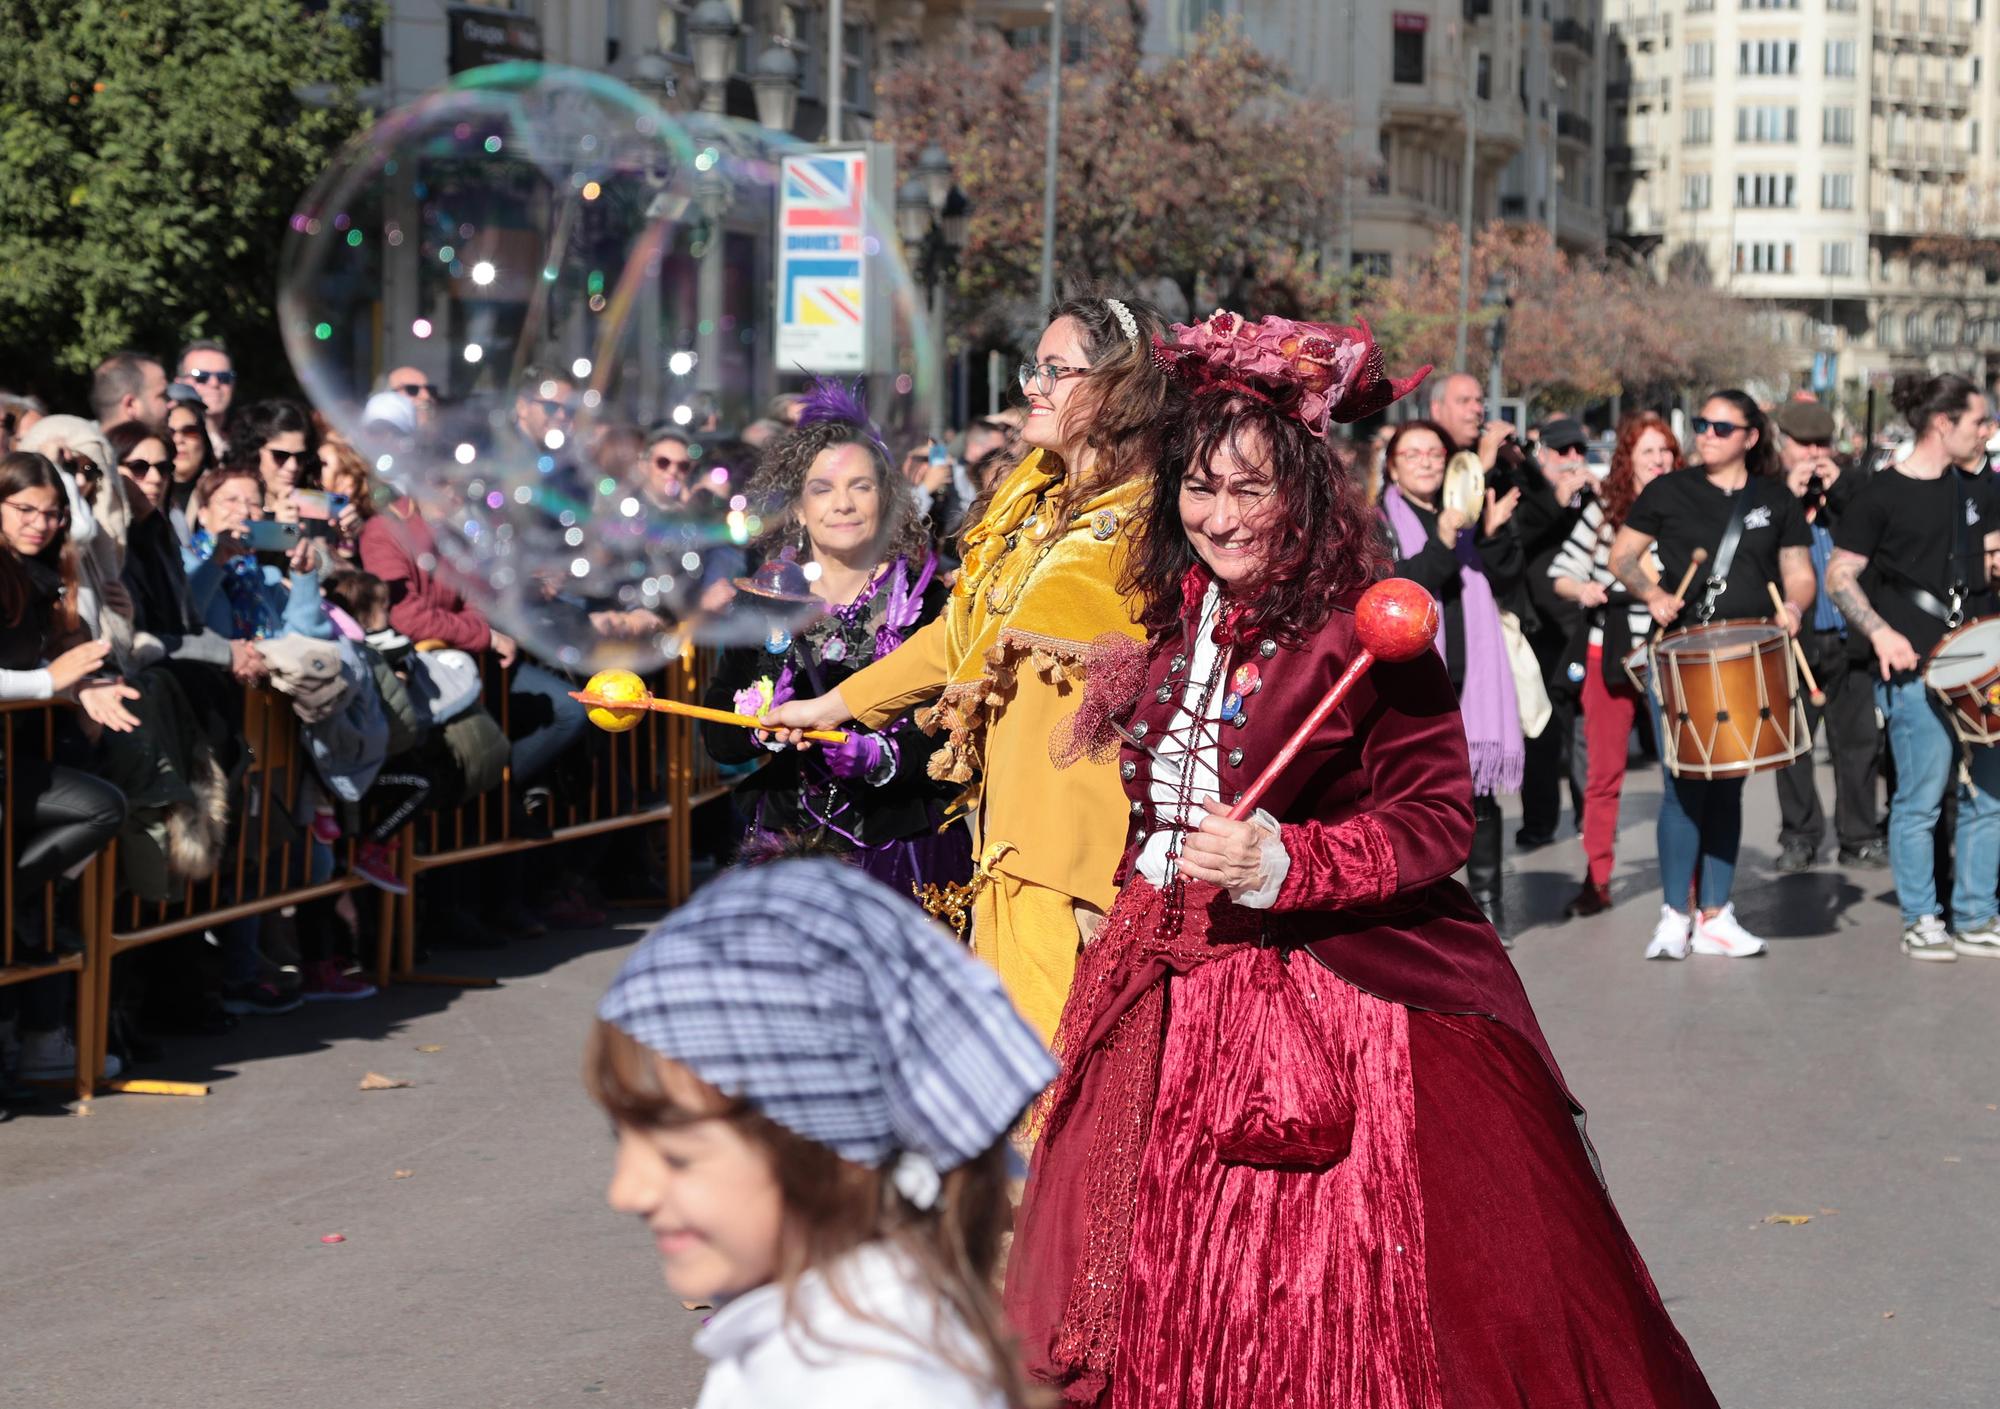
(847, 575)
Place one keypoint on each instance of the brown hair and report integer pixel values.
(833, 1206)
(338, 458)
(362, 595)
(781, 477)
(24, 469)
(1127, 395)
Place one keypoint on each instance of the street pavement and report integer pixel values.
(167, 1252)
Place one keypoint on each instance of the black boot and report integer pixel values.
(1482, 868)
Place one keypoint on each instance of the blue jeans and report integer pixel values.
(1927, 753)
(1700, 829)
(544, 719)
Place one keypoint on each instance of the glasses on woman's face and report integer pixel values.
(1412, 456)
(187, 430)
(1720, 429)
(33, 513)
(281, 458)
(1043, 378)
(139, 469)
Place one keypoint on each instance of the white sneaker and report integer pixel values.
(1980, 943)
(1721, 935)
(51, 1056)
(1928, 939)
(1670, 936)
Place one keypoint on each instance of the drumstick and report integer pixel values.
(713, 716)
(1798, 653)
(1396, 620)
(1699, 557)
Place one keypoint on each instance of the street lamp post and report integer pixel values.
(932, 215)
(1053, 141)
(1499, 302)
(712, 31)
(775, 82)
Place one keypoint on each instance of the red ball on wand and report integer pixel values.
(1395, 620)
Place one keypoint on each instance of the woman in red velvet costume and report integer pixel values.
(1309, 1148)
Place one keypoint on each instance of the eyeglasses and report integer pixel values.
(190, 431)
(305, 458)
(661, 462)
(203, 378)
(1723, 429)
(416, 390)
(141, 468)
(1043, 378)
(51, 517)
(551, 406)
(1420, 457)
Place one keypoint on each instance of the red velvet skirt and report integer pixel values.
(1461, 1256)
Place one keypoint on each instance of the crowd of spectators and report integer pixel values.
(179, 547)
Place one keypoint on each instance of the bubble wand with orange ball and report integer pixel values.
(1395, 620)
(618, 700)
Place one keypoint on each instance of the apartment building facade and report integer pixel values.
(1832, 162)
(1525, 74)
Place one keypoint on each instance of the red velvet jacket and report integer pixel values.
(1376, 814)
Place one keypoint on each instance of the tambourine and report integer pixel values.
(1464, 486)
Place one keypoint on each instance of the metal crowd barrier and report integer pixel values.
(27, 958)
(652, 776)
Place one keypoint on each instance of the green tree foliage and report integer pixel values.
(150, 155)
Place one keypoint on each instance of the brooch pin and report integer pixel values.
(1232, 705)
(834, 650)
(1246, 680)
(779, 641)
(1103, 524)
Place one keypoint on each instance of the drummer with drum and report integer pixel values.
(1909, 574)
(1723, 683)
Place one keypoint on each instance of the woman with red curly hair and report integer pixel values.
(1614, 623)
(1308, 1147)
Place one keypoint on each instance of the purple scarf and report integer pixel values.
(1486, 702)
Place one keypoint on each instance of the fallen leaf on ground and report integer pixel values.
(403, 1174)
(375, 1081)
(1790, 1220)
(432, 1047)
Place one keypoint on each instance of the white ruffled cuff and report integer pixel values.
(1277, 866)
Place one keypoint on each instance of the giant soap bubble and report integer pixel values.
(575, 270)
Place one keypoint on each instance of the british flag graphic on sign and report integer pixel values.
(822, 259)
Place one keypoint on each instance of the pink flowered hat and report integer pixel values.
(1318, 372)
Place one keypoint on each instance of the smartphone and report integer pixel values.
(270, 536)
(939, 455)
(319, 504)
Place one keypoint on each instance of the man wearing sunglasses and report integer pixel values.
(205, 365)
(421, 392)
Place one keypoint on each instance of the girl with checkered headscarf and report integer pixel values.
(812, 1085)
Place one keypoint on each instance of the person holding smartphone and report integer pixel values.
(252, 577)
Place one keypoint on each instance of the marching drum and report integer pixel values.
(1965, 671)
(1730, 700)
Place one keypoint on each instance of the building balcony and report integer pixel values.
(1950, 95)
(1629, 222)
(1908, 26)
(1577, 35)
(1632, 153)
(1573, 127)
(1910, 156)
(1640, 92)
(1644, 31)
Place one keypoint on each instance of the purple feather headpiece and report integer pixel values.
(827, 399)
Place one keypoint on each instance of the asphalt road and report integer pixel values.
(163, 1252)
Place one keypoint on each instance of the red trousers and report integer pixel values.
(1608, 712)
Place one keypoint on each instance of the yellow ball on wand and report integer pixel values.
(617, 700)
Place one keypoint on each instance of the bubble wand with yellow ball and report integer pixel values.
(618, 700)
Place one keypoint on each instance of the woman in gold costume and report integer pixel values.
(1035, 644)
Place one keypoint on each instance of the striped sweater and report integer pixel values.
(1586, 557)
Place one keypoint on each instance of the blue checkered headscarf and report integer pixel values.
(838, 1009)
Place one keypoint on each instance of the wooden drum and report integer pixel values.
(1965, 672)
(1729, 695)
